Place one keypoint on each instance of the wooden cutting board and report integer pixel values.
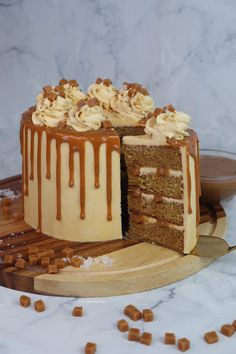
(132, 267)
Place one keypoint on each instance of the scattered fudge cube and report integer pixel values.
(52, 269)
(183, 344)
(77, 311)
(20, 263)
(123, 325)
(148, 315)
(90, 348)
(18, 216)
(9, 259)
(227, 330)
(50, 253)
(33, 259)
(146, 338)
(45, 261)
(133, 313)
(234, 324)
(25, 301)
(170, 338)
(39, 306)
(134, 334)
(211, 337)
(76, 262)
(60, 263)
(67, 252)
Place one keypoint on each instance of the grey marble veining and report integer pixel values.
(184, 51)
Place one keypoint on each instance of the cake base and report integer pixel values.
(135, 266)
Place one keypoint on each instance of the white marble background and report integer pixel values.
(183, 50)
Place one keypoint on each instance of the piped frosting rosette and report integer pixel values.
(168, 123)
(54, 103)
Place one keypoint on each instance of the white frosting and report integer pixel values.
(50, 113)
(168, 125)
(86, 118)
(103, 93)
(132, 109)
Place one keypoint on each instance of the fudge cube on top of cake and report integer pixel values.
(163, 181)
(71, 166)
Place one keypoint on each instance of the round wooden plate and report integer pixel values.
(135, 266)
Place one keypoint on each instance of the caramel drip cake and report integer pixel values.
(71, 166)
(163, 181)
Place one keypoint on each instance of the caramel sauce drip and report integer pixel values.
(76, 144)
(192, 145)
(39, 175)
(48, 156)
(26, 163)
(32, 155)
(58, 179)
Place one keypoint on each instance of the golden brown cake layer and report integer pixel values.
(149, 156)
(152, 232)
(162, 210)
(165, 186)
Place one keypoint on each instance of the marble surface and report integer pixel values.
(189, 308)
(183, 50)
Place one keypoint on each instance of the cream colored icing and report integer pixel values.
(103, 93)
(86, 118)
(168, 125)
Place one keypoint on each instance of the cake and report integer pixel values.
(71, 167)
(163, 181)
(92, 162)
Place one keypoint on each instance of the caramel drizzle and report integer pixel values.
(58, 179)
(26, 163)
(39, 158)
(71, 166)
(189, 184)
(75, 145)
(32, 155)
(48, 156)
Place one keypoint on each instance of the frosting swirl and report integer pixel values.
(132, 104)
(54, 103)
(168, 124)
(103, 91)
(86, 116)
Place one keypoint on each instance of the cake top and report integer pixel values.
(168, 123)
(66, 105)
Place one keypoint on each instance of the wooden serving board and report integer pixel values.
(135, 266)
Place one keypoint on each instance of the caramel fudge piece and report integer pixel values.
(211, 337)
(227, 330)
(147, 315)
(33, 250)
(8, 259)
(67, 252)
(60, 263)
(50, 253)
(77, 311)
(234, 324)
(183, 344)
(76, 262)
(33, 259)
(170, 338)
(133, 313)
(52, 269)
(134, 334)
(39, 306)
(21, 263)
(146, 338)
(45, 261)
(123, 325)
(25, 301)
(90, 348)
